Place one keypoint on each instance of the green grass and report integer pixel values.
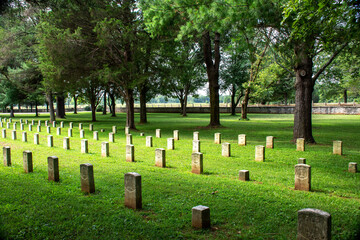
(263, 208)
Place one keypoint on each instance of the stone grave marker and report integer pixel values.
(217, 139)
(197, 163)
(30, 127)
(200, 217)
(24, 136)
(300, 144)
(66, 143)
(158, 133)
(225, 150)
(127, 130)
(303, 177)
(14, 126)
(133, 198)
(142, 134)
(91, 127)
(13, 134)
(82, 133)
(149, 142)
(36, 139)
(170, 143)
(196, 136)
(71, 125)
(28, 161)
(50, 141)
(58, 131)
(353, 167)
(244, 175)
(22, 127)
(38, 128)
(130, 153)
(114, 129)
(96, 135)
(87, 178)
(54, 124)
(301, 161)
(313, 224)
(3, 133)
(242, 140)
(160, 159)
(53, 169)
(270, 142)
(112, 137)
(337, 148)
(196, 146)
(84, 146)
(48, 129)
(7, 156)
(129, 139)
(104, 149)
(259, 153)
(176, 135)
(80, 126)
(62, 124)
(70, 132)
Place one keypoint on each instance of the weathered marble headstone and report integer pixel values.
(301, 161)
(102, 130)
(10, 120)
(13, 134)
(170, 143)
(82, 133)
(300, 144)
(71, 125)
(87, 178)
(313, 224)
(242, 140)
(259, 153)
(269, 142)
(91, 127)
(200, 217)
(36, 139)
(337, 147)
(48, 129)
(8, 125)
(62, 124)
(33, 122)
(129, 139)
(70, 132)
(133, 198)
(7, 155)
(104, 149)
(244, 175)
(1, 124)
(80, 126)
(96, 135)
(39, 128)
(84, 146)
(142, 134)
(22, 127)
(158, 133)
(303, 177)
(176, 135)
(353, 167)
(149, 142)
(196, 146)
(28, 161)
(130, 153)
(127, 130)
(197, 163)
(46, 123)
(196, 136)
(58, 131)
(217, 139)
(54, 124)
(20, 120)
(3, 133)
(53, 169)
(24, 137)
(66, 143)
(114, 129)
(160, 158)
(111, 137)
(30, 127)
(26, 121)
(50, 141)
(225, 150)
(39, 123)
(14, 126)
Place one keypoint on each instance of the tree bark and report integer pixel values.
(75, 103)
(93, 109)
(36, 109)
(113, 105)
(143, 115)
(130, 113)
(60, 106)
(233, 104)
(12, 111)
(104, 110)
(345, 96)
(244, 105)
(212, 69)
(51, 106)
(304, 86)
(184, 113)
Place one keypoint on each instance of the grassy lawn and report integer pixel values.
(263, 208)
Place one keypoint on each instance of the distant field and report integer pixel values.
(263, 208)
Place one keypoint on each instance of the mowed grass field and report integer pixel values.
(265, 207)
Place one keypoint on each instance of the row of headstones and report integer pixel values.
(312, 223)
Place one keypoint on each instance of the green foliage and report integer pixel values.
(263, 208)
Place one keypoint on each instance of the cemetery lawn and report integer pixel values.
(265, 207)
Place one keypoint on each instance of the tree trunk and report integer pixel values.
(113, 105)
(12, 111)
(233, 104)
(75, 103)
(143, 115)
(51, 106)
(104, 110)
(36, 109)
(60, 106)
(244, 105)
(184, 113)
(304, 87)
(31, 107)
(212, 69)
(93, 109)
(345, 96)
(130, 116)
(47, 106)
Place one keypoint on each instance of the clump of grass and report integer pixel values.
(263, 208)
